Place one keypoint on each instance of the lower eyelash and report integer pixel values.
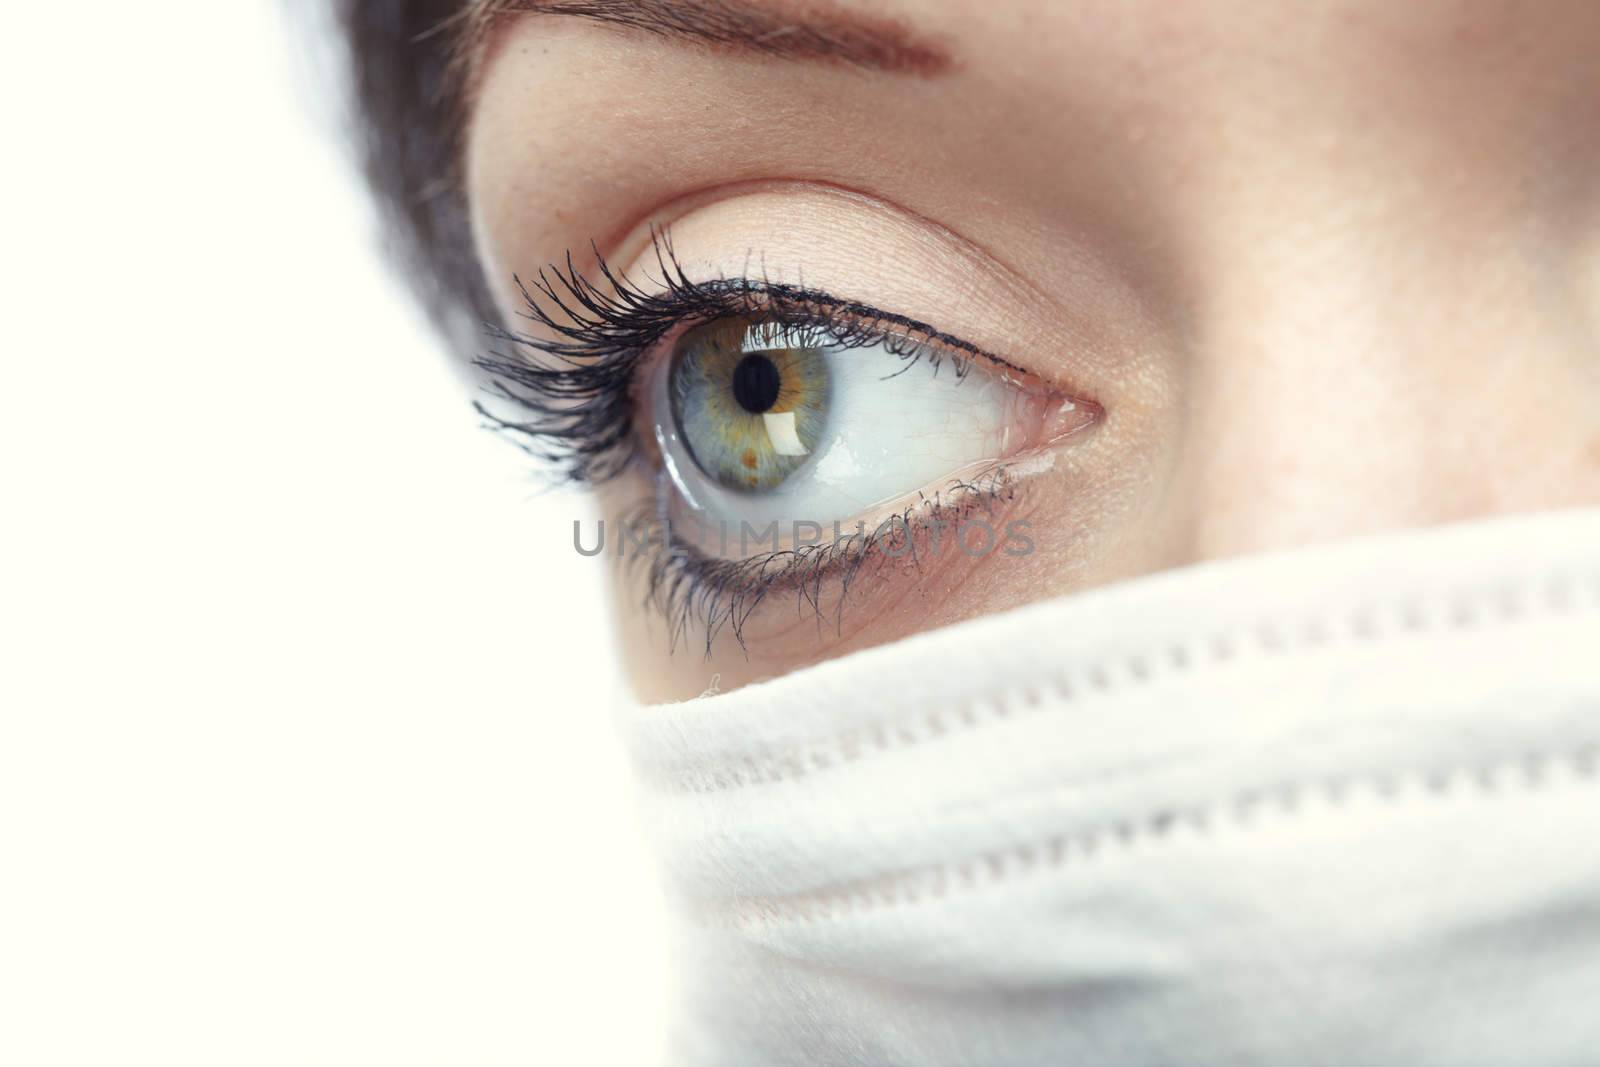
(699, 593)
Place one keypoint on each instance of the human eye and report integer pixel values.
(805, 415)
(786, 436)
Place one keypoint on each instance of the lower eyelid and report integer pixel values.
(749, 599)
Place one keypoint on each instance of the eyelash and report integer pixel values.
(577, 396)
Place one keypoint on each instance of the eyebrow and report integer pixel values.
(810, 31)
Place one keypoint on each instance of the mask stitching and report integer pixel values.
(1530, 600)
(1531, 772)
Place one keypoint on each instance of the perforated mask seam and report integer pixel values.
(1070, 850)
(1533, 599)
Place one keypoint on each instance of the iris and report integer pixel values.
(750, 400)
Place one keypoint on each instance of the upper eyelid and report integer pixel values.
(675, 284)
(870, 325)
(579, 398)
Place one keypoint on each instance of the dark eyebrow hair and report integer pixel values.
(810, 30)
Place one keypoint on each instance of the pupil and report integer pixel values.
(755, 383)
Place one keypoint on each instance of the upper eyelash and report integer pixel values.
(578, 402)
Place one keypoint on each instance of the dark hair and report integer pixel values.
(404, 88)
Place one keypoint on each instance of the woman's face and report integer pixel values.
(1220, 279)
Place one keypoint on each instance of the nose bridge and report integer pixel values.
(1280, 440)
(1372, 338)
(1341, 381)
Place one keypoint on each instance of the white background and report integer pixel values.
(304, 746)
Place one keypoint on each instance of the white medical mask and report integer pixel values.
(1334, 806)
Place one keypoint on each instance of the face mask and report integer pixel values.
(1334, 806)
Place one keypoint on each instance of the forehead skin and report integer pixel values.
(1188, 131)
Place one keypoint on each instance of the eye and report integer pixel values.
(781, 409)
(760, 421)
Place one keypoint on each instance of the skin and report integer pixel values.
(1328, 268)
